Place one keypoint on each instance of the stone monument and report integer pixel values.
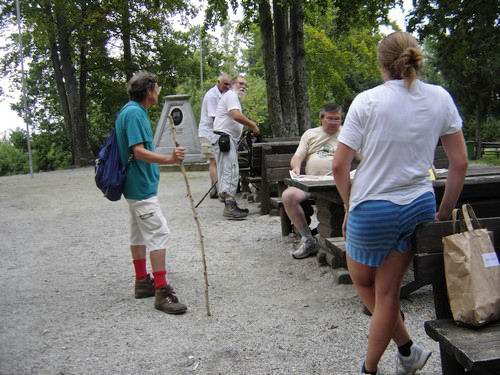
(179, 108)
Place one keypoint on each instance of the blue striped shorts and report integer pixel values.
(376, 227)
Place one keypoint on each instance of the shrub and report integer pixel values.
(12, 160)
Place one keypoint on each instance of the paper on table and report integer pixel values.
(434, 173)
(308, 177)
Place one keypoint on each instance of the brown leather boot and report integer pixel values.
(167, 301)
(144, 288)
(233, 212)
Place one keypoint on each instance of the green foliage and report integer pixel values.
(96, 32)
(12, 160)
(254, 103)
(489, 160)
(353, 66)
(490, 129)
(19, 140)
(49, 152)
(464, 37)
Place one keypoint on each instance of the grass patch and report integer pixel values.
(489, 160)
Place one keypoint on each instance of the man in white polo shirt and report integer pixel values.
(228, 126)
(206, 127)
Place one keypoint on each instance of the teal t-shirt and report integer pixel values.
(133, 127)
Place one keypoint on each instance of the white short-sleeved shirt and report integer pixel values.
(223, 121)
(317, 148)
(396, 130)
(208, 108)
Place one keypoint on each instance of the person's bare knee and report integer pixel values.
(292, 197)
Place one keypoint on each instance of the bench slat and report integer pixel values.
(276, 175)
(278, 160)
(428, 236)
(427, 266)
(473, 348)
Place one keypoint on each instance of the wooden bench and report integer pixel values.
(490, 148)
(463, 350)
(275, 168)
(332, 253)
(268, 146)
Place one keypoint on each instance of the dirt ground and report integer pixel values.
(67, 306)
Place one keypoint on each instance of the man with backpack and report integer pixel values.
(149, 232)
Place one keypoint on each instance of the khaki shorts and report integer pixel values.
(148, 226)
(207, 149)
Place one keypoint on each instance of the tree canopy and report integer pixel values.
(296, 55)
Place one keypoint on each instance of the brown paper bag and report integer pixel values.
(472, 272)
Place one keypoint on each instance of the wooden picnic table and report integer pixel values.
(481, 189)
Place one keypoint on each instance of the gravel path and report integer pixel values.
(67, 307)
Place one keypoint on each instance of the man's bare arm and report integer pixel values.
(296, 163)
(141, 153)
(242, 119)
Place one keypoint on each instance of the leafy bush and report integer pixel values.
(49, 152)
(12, 160)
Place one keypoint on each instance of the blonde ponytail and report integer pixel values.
(400, 56)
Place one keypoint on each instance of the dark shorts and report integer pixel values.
(376, 227)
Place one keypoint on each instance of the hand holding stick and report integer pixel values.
(195, 215)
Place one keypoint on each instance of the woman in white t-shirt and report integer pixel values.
(396, 127)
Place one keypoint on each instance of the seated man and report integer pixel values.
(316, 148)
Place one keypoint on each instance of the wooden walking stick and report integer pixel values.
(195, 215)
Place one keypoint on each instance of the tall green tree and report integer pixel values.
(465, 36)
(82, 52)
(283, 35)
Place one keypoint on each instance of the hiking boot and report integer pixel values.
(167, 301)
(306, 249)
(415, 361)
(213, 193)
(233, 212)
(144, 288)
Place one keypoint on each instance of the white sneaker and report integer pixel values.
(415, 361)
(306, 249)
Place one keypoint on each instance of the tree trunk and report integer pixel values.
(56, 64)
(284, 61)
(81, 152)
(299, 65)
(272, 88)
(128, 64)
(83, 94)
